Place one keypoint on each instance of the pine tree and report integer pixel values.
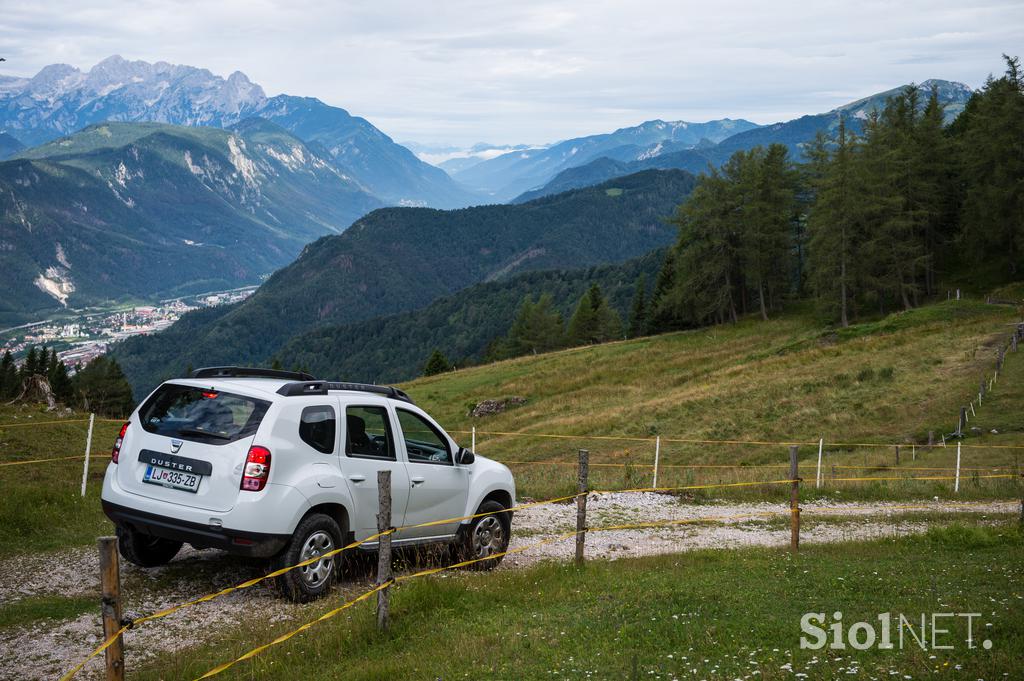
(437, 363)
(766, 183)
(8, 376)
(537, 327)
(60, 383)
(832, 223)
(661, 313)
(594, 320)
(101, 387)
(638, 310)
(708, 281)
(992, 152)
(31, 365)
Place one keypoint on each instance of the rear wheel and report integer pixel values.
(488, 535)
(316, 535)
(145, 550)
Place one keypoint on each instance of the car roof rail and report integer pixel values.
(321, 387)
(250, 372)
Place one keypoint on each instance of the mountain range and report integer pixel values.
(509, 175)
(135, 210)
(61, 99)
(400, 259)
(524, 175)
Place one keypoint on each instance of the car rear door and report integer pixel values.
(189, 446)
(369, 446)
(439, 488)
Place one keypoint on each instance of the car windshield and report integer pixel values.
(203, 415)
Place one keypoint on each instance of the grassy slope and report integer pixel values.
(41, 508)
(706, 614)
(889, 381)
(780, 380)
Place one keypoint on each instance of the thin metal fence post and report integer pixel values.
(88, 448)
(657, 455)
(817, 479)
(794, 500)
(472, 446)
(956, 485)
(581, 504)
(384, 549)
(110, 585)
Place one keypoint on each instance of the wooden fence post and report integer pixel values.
(581, 504)
(110, 586)
(472, 446)
(931, 438)
(794, 500)
(897, 455)
(88, 447)
(962, 422)
(384, 548)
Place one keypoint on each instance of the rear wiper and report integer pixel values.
(204, 433)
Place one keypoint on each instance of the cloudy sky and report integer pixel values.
(525, 71)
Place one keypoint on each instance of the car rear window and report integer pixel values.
(201, 414)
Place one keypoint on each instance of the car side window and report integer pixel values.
(317, 427)
(367, 433)
(423, 442)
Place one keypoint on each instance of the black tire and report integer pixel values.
(486, 535)
(315, 535)
(145, 550)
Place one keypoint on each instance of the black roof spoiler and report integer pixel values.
(250, 372)
(313, 387)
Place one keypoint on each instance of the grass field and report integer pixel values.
(889, 381)
(721, 614)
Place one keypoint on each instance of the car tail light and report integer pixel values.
(116, 451)
(257, 469)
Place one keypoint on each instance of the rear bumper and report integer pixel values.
(255, 544)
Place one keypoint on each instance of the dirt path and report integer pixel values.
(47, 649)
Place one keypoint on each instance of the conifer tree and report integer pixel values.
(594, 320)
(437, 363)
(8, 376)
(31, 365)
(992, 157)
(638, 310)
(832, 224)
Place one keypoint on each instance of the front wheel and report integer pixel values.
(486, 539)
(145, 550)
(316, 535)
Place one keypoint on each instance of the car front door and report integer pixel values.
(438, 487)
(370, 446)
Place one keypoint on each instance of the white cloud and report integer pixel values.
(533, 71)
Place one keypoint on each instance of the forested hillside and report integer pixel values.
(400, 259)
(124, 210)
(873, 222)
(463, 326)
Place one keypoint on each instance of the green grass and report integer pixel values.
(28, 611)
(41, 507)
(890, 380)
(721, 613)
(887, 381)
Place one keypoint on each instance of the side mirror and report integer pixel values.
(465, 457)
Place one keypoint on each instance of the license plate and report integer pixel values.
(155, 475)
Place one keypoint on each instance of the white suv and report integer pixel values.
(279, 465)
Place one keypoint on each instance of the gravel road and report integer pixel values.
(47, 649)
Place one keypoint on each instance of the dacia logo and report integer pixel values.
(175, 446)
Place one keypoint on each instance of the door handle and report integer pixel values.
(357, 478)
(416, 481)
